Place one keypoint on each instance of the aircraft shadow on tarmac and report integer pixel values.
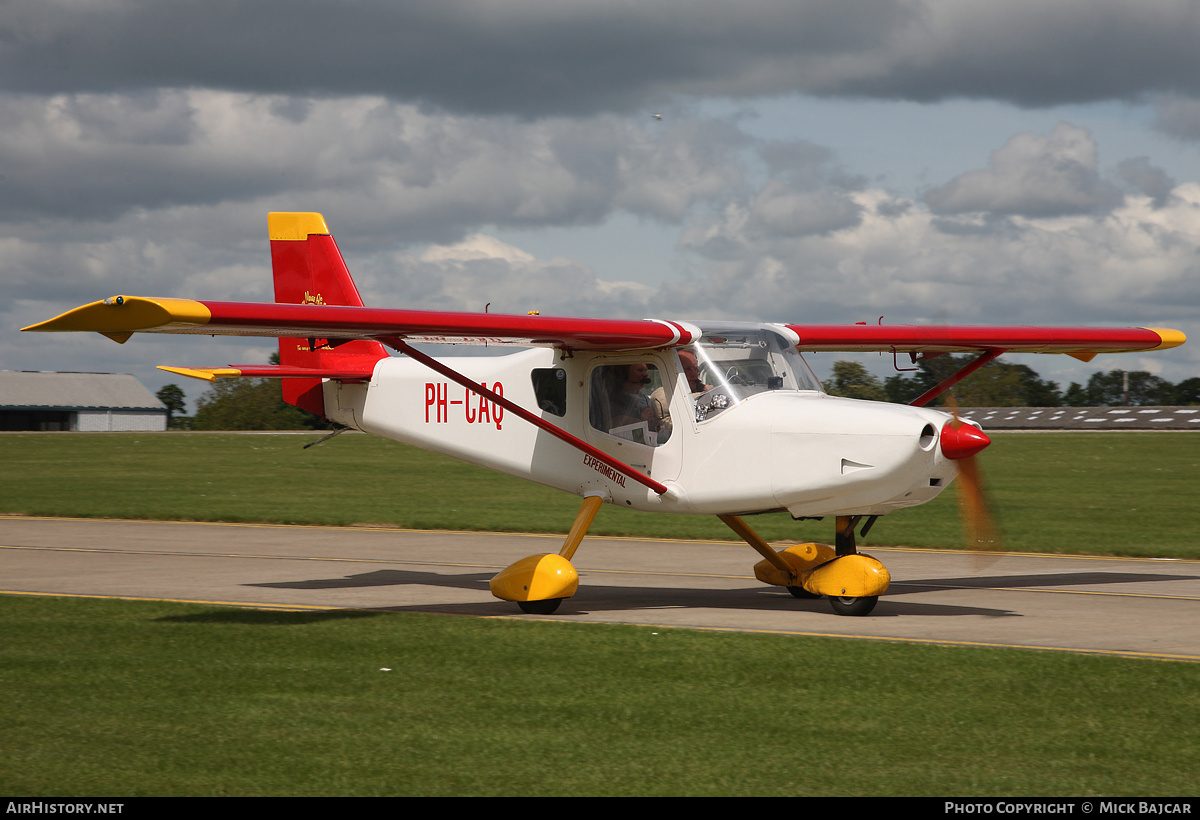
(593, 597)
(1032, 581)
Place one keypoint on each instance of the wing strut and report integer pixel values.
(537, 421)
(933, 392)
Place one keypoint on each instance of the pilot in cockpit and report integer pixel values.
(629, 404)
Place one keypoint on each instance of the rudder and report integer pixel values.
(308, 269)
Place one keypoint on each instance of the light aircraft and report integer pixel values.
(721, 418)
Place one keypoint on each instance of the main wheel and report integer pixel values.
(543, 607)
(802, 593)
(853, 606)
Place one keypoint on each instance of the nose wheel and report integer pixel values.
(810, 571)
(853, 606)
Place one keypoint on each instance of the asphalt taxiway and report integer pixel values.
(1135, 607)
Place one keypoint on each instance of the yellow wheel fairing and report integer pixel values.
(800, 558)
(118, 317)
(295, 226)
(851, 576)
(536, 578)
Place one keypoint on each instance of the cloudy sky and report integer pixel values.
(823, 161)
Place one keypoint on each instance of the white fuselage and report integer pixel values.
(790, 449)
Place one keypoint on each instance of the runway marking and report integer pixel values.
(238, 604)
(561, 536)
(1059, 591)
(168, 553)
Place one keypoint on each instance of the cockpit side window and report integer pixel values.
(550, 389)
(628, 401)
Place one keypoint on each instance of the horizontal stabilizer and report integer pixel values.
(262, 371)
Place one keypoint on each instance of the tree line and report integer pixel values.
(239, 404)
(1001, 384)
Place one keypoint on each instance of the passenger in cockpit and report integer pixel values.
(662, 401)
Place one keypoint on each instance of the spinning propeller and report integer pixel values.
(963, 442)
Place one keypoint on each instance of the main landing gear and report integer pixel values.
(850, 580)
(539, 583)
(546, 606)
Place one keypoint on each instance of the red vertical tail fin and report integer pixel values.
(309, 269)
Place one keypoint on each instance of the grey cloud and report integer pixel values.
(1179, 117)
(781, 212)
(512, 56)
(1146, 178)
(1032, 175)
(415, 176)
(806, 165)
(533, 58)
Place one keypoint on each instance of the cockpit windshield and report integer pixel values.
(734, 362)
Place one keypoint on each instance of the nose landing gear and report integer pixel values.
(852, 581)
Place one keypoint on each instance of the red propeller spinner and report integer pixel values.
(963, 440)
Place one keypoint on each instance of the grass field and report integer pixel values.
(1110, 493)
(113, 698)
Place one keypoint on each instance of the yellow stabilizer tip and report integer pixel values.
(295, 226)
(1170, 337)
(119, 316)
(208, 374)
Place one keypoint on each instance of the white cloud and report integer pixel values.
(1138, 264)
(1033, 175)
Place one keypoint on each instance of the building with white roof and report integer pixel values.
(87, 402)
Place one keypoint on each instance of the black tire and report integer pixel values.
(802, 593)
(853, 606)
(544, 607)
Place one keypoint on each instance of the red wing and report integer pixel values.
(121, 316)
(1081, 342)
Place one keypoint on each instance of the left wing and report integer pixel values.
(119, 317)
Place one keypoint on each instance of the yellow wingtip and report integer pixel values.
(1170, 337)
(295, 226)
(118, 317)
